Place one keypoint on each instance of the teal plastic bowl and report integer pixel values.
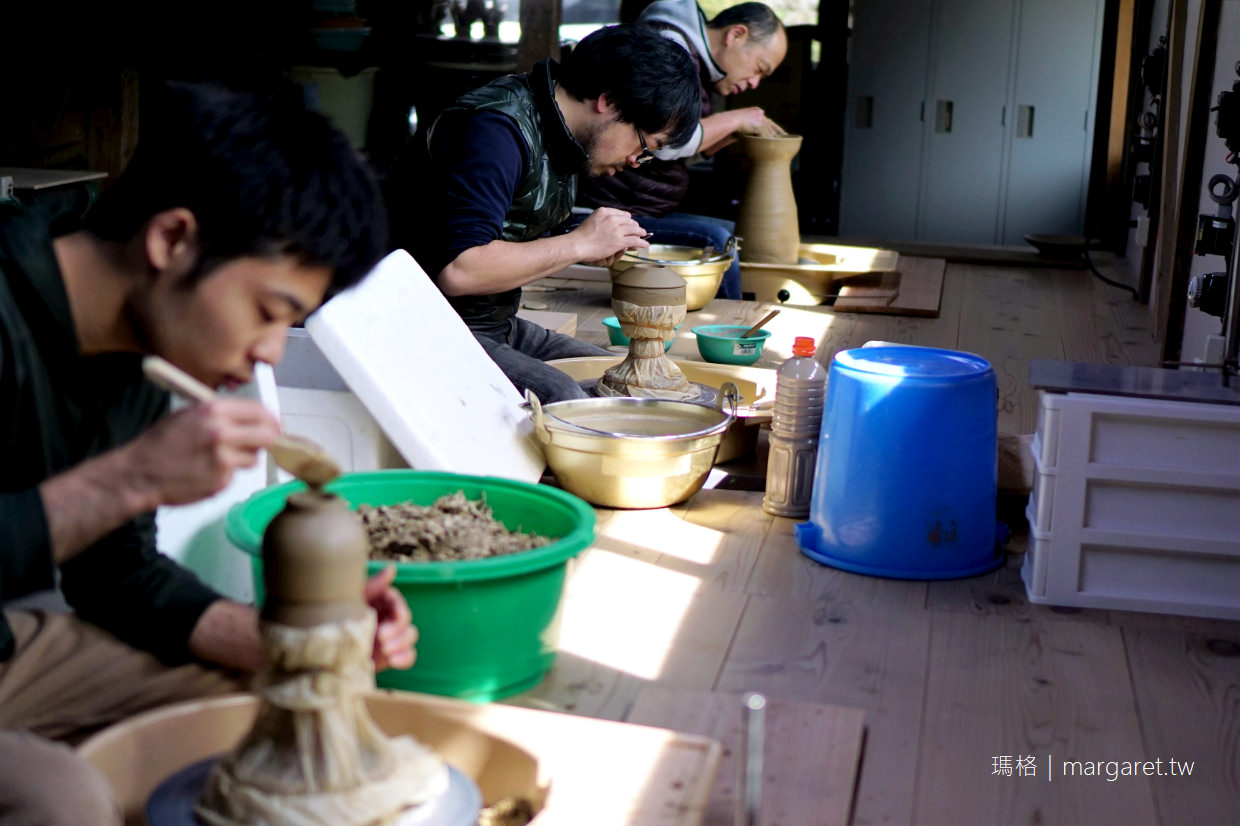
(487, 628)
(718, 343)
(616, 336)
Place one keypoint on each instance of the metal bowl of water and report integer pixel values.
(624, 452)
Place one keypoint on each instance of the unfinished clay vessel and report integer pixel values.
(314, 562)
(649, 302)
(314, 756)
(767, 223)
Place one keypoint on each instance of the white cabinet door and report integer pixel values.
(1051, 121)
(882, 124)
(962, 158)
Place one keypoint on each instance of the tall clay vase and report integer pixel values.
(767, 224)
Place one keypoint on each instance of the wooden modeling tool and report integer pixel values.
(299, 456)
(755, 328)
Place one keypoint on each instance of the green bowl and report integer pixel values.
(616, 336)
(487, 628)
(719, 343)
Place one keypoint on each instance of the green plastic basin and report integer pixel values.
(487, 628)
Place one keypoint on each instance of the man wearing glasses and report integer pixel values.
(736, 50)
(497, 176)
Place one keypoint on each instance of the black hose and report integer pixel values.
(1089, 263)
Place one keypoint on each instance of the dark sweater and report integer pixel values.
(500, 163)
(58, 408)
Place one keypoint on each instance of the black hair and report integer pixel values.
(652, 81)
(759, 18)
(264, 175)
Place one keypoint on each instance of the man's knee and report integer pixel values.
(43, 783)
(554, 385)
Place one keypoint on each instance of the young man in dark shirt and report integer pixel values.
(238, 215)
(502, 164)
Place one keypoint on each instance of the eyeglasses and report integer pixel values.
(646, 154)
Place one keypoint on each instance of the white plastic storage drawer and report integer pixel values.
(1135, 505)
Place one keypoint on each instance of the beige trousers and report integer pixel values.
(66, 680)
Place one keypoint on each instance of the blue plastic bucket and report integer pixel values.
(907, 470)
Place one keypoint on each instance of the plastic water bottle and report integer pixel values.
(800, 389)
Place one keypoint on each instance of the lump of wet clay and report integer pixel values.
(453, 528)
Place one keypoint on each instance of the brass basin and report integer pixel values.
(702, 273)
(623, 452)
(756, 386)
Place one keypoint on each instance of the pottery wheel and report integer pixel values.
(707, 396)
(172, 802)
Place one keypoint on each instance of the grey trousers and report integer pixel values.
(521, 347)
(66, 680)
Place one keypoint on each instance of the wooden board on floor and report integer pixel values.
(810, 759)
(859, 642)
(917, 290)
(556, 322)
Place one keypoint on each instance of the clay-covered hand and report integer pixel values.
(606, 233)
(193, 453)
(753, 121)
(395, 635)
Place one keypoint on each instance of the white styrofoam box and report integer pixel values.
(340, 423)
(422, 375)
(316, 403)
(1135, 505)
(194, 535)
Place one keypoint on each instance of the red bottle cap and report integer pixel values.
(803, 346)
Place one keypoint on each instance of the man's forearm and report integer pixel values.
(227, 634)
(504, 265)
(91, 500)
(718, 130)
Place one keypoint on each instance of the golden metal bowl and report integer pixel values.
(756, 386)
(624, 452)
(702, 272)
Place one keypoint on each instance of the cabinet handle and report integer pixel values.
(1024, 121)
(865, 112)
(943, 116)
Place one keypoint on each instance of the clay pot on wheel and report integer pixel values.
(767, 224)
(649, 302)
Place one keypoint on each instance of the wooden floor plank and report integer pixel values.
(1188, 689)
(863, 643)
(810, 759)
(1001, 593)
(948, 674)
(1013, 688)
(942, 332)
(782, 570)
(1128, 320)
(732, 528)
(627, 621)
(1009, 318)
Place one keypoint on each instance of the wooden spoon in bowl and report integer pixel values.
(299, 456)
(755, 328)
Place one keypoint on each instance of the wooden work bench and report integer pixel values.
(893, 702)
